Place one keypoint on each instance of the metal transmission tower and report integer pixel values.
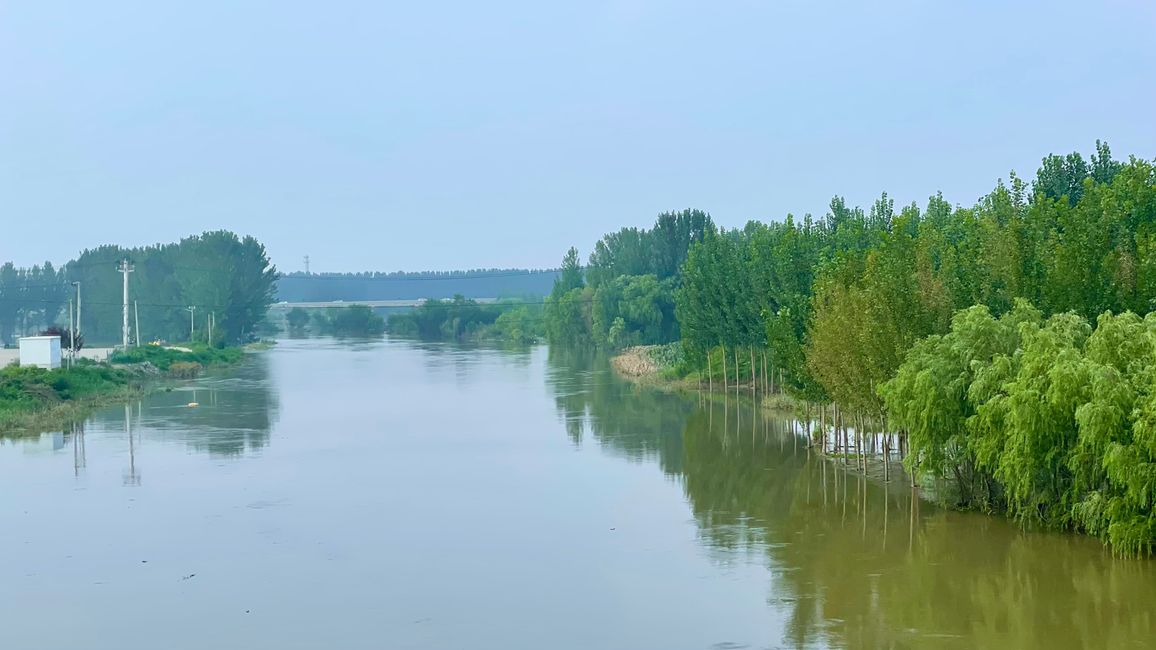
(125, 268)
(306, 265)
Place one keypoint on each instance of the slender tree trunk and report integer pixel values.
(754, 381)
(886, 453)
(766, 386)
(724, 360)
(822, 419)
(863, 438)
(709, 374)
(736, 371)
(846, 439)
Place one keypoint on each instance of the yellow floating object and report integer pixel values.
(192, 404)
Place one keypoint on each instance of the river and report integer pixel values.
(403, 495)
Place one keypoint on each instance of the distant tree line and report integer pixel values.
(462, 319)
(351, 287)
(966, 333)
(31, 299)
(354, 321)
(224, 277)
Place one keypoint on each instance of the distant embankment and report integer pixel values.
(373, 287)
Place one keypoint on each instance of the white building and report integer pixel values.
(42, 351)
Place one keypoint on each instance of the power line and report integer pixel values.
(420, 278)
(106, 303)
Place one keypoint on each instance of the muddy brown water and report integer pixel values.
(392, 494)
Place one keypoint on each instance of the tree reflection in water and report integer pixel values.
(236, 410)
(852, 562)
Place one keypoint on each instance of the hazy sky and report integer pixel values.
(438, 135)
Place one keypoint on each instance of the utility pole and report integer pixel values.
(192, 321)
(211, 315)
(71, 334)
(125, 269)
(77, 285)
(136, 314)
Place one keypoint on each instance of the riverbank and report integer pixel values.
(36, 399)
(178, 362)
(656, 366)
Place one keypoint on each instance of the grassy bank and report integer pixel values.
(661, 366)
(179, 362)
(35, 398)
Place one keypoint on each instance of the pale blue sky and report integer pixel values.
(439, 135)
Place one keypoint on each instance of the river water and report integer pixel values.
(401, 495)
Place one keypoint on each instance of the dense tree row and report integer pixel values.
(839, 304)
(625, 295)
(226, 278)
(854, 311)
(1049, 419)
(30, 299)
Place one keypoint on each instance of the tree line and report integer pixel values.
(225, 278)
(461, 318)
(625, 295)
(998, 345)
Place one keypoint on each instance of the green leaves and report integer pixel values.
(1061, 418)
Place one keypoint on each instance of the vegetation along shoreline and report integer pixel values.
(34, 399)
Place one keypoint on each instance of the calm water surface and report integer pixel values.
(395, 495)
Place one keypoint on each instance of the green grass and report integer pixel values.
(164, 358)
(31, 396)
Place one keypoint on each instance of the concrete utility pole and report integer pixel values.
(77, 285)
(192, 321)
(125, 269)
(71, 335)
(136, 315)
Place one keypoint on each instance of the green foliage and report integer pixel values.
(225, 276)
(462, 319)
(1046, 419)
(520, 325)
(30, 299)
(626, 295)
(924, 319)
(660, 251)
(633, 310)
(164, 358)
(27, 389)
(298, 320)
(353, 321)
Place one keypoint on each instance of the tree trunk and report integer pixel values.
(766, 386)
(736, 371)
(724, 357)
(709, 374)
(754, 380)
(822, 423)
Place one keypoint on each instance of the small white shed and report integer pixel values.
(42, 351)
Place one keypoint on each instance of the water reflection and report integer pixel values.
(235, 410)
(630, 422)
(132, 474)
(852, 562)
